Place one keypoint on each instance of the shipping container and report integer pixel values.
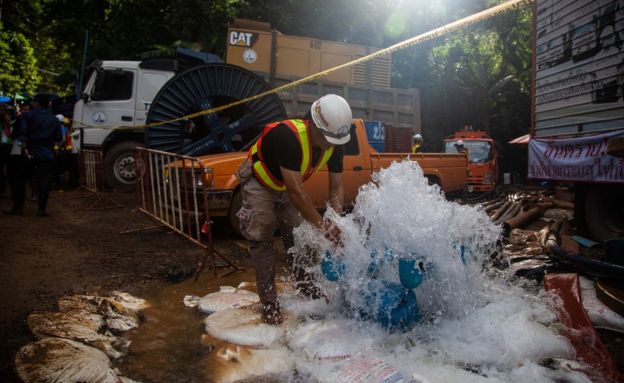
(398, 140)
(376, 135)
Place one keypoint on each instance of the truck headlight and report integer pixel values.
(487, 178)
(192, 178)
(200, 178)
(208, 178)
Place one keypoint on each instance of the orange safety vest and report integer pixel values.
(262, 172)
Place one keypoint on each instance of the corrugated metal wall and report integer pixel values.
(579, 66)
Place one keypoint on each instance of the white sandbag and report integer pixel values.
(80, 326)
(121, 311)
(63, 360)
(600, 315)
(91, 303)
(88, 303)
(117, 316)
(235, 363)
(227, 297)
(130, 301)
(244, 326)
(191, 301)
(365, 370)
(324, 340)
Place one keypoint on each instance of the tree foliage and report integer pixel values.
(18, 65)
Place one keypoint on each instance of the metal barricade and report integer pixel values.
(91, 173)
(172, 190)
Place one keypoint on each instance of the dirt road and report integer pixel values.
(77, 251)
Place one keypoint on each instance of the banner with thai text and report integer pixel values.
(575, 159)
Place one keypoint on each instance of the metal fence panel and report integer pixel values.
(172, 189)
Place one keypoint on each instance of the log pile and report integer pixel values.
(532, 221)
(519, 209)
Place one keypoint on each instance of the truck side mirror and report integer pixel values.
(85, 97)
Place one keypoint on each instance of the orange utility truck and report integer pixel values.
(482, 158)
(360, 161)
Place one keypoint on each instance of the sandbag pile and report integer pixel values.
(77, 343)
(253, 349)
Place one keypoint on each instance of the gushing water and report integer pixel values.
(475, 325)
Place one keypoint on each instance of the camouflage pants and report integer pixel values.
(263, 211)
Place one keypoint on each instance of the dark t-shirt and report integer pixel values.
(280, 147)
(40, 130)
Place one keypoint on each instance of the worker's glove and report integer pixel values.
(332, 232)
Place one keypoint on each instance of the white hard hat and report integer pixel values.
(60, 117)
(332, 115)
(417, 136)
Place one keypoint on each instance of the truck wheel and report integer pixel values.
(237, 202)
(433, 180)
(604, 211)
(119, 166)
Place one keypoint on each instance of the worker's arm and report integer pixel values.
(302, 201)
(336, 191)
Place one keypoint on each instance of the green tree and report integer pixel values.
(18, 65)
(481, 70)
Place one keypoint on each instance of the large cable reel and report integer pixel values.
(205, 87)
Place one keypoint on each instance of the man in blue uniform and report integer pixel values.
(38, 131)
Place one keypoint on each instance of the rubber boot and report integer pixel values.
(271, 313)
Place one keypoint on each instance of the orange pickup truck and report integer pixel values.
(360, 161)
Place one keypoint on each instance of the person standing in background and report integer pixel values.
(17, 161)
(417, 142)
(5, 146)
(39, 130)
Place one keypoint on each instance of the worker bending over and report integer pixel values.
(283, 158)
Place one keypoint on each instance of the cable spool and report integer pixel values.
(205, 87)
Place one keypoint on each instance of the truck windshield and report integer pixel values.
(478, 151)
(112, 85)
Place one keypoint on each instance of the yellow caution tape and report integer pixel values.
(435, 33)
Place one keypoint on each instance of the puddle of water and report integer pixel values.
(168, 346)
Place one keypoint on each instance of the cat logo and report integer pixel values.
(243, 39)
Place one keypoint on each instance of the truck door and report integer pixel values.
(149, 84)
(111, 98)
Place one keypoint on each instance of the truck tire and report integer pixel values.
(433, 180)
(604, 211)
(237, 202)
(119, 166)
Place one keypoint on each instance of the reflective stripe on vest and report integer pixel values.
(262, 172)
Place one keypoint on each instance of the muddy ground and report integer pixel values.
(78, 251)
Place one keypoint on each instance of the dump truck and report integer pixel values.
(482, 158)
(577, 127)
(122, 96)
(360, 161)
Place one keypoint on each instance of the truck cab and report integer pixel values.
(119, 94)
(482, 158)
